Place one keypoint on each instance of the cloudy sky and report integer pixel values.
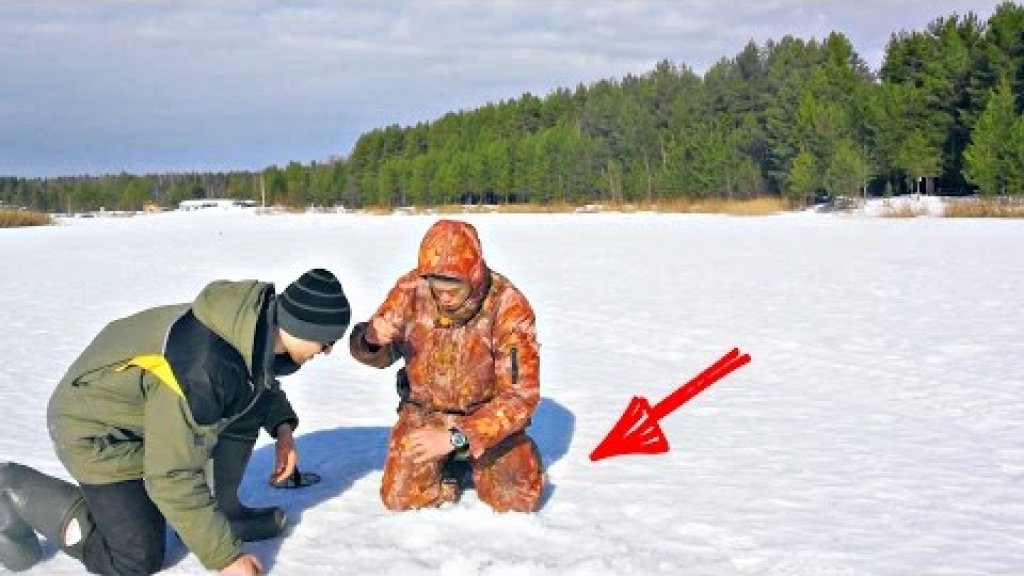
(158, 86)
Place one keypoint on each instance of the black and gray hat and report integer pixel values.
(314, 307)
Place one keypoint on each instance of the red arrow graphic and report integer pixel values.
(638, 432)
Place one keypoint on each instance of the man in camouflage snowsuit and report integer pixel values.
(470, 382)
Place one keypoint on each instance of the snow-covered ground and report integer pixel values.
(906, 205)
(879, 428)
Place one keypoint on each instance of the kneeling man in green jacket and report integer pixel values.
(157, 419)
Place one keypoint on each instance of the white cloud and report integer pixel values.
(248, 83)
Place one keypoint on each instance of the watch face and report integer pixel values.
(458, 439)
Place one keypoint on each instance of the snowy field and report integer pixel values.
(879, 428)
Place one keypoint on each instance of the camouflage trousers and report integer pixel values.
(508, 477)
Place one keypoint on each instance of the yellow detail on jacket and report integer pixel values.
(158, 366)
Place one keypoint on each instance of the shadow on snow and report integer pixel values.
(343, 455)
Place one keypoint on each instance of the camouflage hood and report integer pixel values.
(452, 248)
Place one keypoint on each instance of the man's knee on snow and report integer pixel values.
(511, 478)
(134, 567)
(393, 501)
(514, 497)
(430, 497)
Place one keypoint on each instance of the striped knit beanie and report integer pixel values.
(314, 308)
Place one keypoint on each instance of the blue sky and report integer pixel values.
(142, 86)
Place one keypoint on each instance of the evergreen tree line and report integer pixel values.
(793, 118)
(295, 185)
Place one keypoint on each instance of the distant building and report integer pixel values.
(222, 203)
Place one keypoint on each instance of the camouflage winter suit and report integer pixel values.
(475, 370)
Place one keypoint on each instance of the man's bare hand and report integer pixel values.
(244, 565)
(285, 456)
(380, 331)
(427, 445)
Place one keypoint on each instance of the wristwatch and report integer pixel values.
(458, 439)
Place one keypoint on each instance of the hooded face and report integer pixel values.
(449, 293)
(451, 260)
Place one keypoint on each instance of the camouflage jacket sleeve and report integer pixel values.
(395, 310)
(176, 451)
(517, 362)
(363, 351)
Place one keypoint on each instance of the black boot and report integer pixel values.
(230, 458)
(32, 501)
(19, 547)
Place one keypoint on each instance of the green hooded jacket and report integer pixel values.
(150, 395)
